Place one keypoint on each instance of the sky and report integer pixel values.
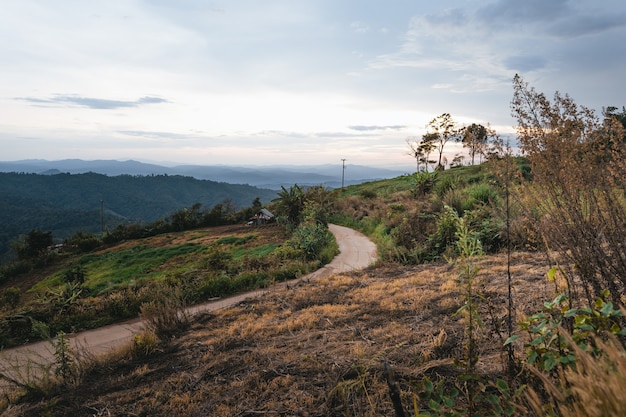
(252, 82)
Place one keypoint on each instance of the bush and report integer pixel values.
(11, 297)
(309, 239)
(578, 166)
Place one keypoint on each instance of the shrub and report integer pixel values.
(165, 315)
(309, 239)
(445, 234)
(578, 166)
(446, 183)
(424, 182)
(11, 297)
(15, 268)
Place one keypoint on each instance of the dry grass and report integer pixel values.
(311, 349)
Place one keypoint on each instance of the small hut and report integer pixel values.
(263, 216)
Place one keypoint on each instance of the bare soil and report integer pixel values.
(314, 348)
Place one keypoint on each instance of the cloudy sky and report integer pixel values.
(286, 82)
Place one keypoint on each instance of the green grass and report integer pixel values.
(257, 251)
(119, 268)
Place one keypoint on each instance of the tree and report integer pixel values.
(291, 203)
(420, 149)
(34, 244)
(441, 130)
(256, 204)
(415, 151)
(475, 137)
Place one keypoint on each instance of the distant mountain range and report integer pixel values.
(270, 177)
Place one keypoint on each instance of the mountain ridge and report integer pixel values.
(271, 176)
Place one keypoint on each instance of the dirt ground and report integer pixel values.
(314, 348)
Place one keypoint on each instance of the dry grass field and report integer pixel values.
(314, 348)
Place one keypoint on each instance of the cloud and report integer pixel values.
(505, 12)
(369, 128)
(582, 25)
(156, 135)
(92, 103)
(359, 27)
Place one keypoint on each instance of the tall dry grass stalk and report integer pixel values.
(165, 315)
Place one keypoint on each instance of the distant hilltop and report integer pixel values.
(271, 177)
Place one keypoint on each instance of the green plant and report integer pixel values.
(62, 299)
(445, 233)
(309, 239)
(64, 358)
(552, 331)
(438, 399)
(76, 274)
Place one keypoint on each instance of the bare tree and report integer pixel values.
(420, 149)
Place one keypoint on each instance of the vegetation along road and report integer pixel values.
(356, 252)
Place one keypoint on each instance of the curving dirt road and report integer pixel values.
(356, 252)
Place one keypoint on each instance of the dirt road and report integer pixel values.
(356, 252)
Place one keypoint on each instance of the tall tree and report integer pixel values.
(441, 130)
(474, 137)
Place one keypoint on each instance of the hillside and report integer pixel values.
(312, 349)
(66, 203)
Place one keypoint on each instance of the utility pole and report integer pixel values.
(343, 170)
(102, 215)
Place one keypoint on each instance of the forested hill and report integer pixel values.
(66, 203)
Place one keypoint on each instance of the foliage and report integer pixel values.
(593, 388)
(10, 297)
(34, 245)
(552, 331)
(425, 182)
(441, 130)
(475, 137)
(578, 165)
(83, 241)
(309, 239)
(65, 366)
(76, 274)
(290, 203)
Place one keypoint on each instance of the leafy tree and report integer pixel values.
(442, 129)
(256, 204)
(291, 203)
(475, 137)
(34, 244)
